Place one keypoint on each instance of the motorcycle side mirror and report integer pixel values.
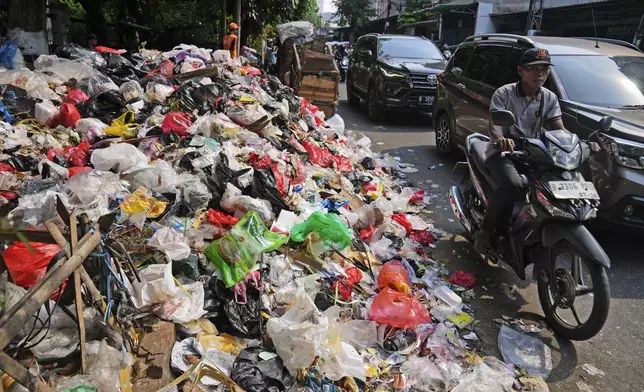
(605, 124)
(366, 53)
(502, 118)
(447, 54)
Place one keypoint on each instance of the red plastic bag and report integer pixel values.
(260, 161)
(323, 157)
(281, 181)
(177, 122)
(218, 218)
(394, 275)
(6, 167)
(166, 69)
(76, 96)
(424, 237)
(345, 286)
(67, 116)
(79, 155)
(75, 170)
(299, 170)
(402, 219)
(105, 49)
(417, 197)
(399, 310)
(366, 234)
(9, 195)
(252, 71)
(27, 267)
(462, 278)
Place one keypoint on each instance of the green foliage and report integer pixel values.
(354, 13)
(76, 10)
(413, 12)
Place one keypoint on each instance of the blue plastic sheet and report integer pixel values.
(5, 113)
(7, 53)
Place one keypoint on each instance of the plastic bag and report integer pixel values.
(303, 333)
(177, 122)
(90, 192)
(141, 200)
(8, 51)
(422, 374)
(264, 187)
(462, 278)
(218, 218)
(45, 111)
(328, 226)
(104, 106)
(399, 310)
(27, 267)
(253, 374)
(172, 242)
(132, 91)
(295, 29)
(236, 253)
(100, 83)
(233, 201)
(527, 352)
(79, 155)
(424, 237)
(122, 157)
(124, 126)
(158, 93)
(336, 123)
(402, 220)
(82, 55)
(322, 156)
(67, 116)
(160, 178)
(84, 124)
(75, 97)
(34, 83)
(489, 375)
(395, 276)
(193, 191)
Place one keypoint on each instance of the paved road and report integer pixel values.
(618, 350)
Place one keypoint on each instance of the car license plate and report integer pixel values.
(425, 101)
(574, 190)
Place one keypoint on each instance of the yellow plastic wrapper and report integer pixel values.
(223, 342)
(141, 200)
(123, 126)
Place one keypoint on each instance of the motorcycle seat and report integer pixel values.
(477, 150)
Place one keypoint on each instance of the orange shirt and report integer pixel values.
(229, 41)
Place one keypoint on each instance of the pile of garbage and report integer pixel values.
(282, 251)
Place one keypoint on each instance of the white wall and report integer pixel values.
(483, 23)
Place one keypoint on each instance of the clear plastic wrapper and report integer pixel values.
(123, 158)
(527, 352)
(132, 91)
(234, 201)
(91, 191)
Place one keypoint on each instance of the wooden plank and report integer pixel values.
(317, 82)
(22, 375)
(73, 227)
(324, 96)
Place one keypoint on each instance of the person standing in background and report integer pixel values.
(230, 41)
(92, 41)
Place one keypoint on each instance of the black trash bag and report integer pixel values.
(221, 176)
(234, 318)
(368, 163)
(23, 163)
(397, 242)
(188, 268)
(253, 374)
(264, 187)
(120, 69)
(181, 99)
(208, 98)
(158, 79)
(11, 92)
(82, 55)
(20, 108)
(105, 106)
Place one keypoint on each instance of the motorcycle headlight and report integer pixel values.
(392, 74)
(563, 159)
(345, 62)
(625, 152)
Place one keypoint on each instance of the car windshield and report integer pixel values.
(408, 48)
(615, 82)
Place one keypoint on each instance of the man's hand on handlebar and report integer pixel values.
(506, 144)
(594, 147)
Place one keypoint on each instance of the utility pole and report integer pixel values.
(535, 16)
(388, 13)
(222, 23)
(239, 23)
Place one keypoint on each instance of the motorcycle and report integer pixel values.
(343, 66)
(547, 226)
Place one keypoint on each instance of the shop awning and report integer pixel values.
(430, 15)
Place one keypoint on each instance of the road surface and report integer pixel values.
(616, 350)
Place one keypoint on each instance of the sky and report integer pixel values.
(327, 5)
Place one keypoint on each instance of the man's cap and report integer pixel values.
(233, 26)
(534, 57)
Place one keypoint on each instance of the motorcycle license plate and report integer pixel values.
(574, 190)
(425, 101)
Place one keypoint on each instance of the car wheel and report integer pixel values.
(373, 106)
(443, 135)
(353, 100)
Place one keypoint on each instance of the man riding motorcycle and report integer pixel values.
(534, 108)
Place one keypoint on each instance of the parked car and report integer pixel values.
(394, 72)
(592, 79)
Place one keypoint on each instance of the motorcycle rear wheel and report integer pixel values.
(570, 288)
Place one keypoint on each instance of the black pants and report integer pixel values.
(508, 181)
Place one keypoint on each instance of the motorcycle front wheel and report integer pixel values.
(579, 309)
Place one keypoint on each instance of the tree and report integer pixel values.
(354, 13)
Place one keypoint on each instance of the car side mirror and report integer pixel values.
(605, 124)
(366, 53)
(502, 118)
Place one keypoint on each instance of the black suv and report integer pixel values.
(394, 71)
(592, 79)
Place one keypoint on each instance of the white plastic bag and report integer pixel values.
(84, 124)
(161, 178)
(35, 209)
(191, 64)
(336, 123)
(132, 91)
(90, 192)
(36, 84)
(488, 375)
(221, 56)
(422, 374)
(99, 83)
(183, 308)
(172, 242)
(295, 29)
(123, 158)
(193, 191)
(234, 201)
(45, 111)
(303, 333)
(158, 93)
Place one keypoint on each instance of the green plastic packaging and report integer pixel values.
(236, 253)
(328, 226)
